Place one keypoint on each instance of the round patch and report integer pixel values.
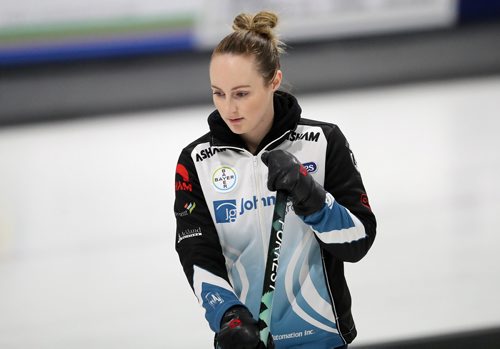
(224, 179)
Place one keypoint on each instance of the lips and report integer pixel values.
(235, 120)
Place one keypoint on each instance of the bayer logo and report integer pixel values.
(224, 179)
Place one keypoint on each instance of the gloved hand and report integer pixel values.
(239, 330)
(287, 173)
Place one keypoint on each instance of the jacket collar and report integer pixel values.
(286, 117)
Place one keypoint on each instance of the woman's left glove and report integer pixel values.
(287, 173)
(239, 330)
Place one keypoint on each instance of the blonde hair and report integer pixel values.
(253, 35)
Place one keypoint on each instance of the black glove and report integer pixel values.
(239, 330)
(287, 173)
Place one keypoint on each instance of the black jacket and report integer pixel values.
(223, 210)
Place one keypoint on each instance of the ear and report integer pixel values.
(276, 83)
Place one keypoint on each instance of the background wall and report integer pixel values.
(127, 56)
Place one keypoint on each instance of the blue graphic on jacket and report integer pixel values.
(216, 301)
(330, 218)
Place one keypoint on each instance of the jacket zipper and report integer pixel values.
(258, 193)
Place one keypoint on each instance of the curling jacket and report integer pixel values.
(224, 211)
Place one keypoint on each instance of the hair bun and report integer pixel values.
(253, 35)
(262, 23)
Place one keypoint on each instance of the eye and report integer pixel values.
(218, 93)
(241, 94)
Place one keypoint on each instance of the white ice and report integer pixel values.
(87, 254)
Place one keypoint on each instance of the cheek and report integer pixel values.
(255, 106)
(218, 105)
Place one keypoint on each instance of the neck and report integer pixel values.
(252, 148)
(254, 138)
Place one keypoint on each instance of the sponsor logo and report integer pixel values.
(291, 335)
(305, 136)
(190, 206)
(227, 211)
(188, 209)
(182, 171)
(224, 179)
(207, 153)
(364, 201)
(189, 233)
(277, 251)
(214, 299)
(311, 167)
(182, 181)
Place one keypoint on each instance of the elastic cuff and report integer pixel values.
(221, 311)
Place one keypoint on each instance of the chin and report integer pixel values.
(237, 130)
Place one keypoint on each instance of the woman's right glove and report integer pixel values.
(288, 174)
(239, 330)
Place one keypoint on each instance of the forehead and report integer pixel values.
(228, 70)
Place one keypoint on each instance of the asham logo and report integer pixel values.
(224, 179)
(227, 211)
(306, 136)
(189, 233)
(207, 153)
(188, 209)
(182, 181)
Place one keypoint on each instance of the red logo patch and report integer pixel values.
(182, 181)
(364, 201)
(183, 172)
(234, 323)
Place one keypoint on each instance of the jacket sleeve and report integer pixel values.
(198, 245)
(346, 225)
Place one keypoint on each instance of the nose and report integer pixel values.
(231, 107)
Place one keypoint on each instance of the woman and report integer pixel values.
(225, 192)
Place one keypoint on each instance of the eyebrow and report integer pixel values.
(234, 88)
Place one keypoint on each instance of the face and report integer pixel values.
(240, 94)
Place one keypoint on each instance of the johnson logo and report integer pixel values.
(227, 211)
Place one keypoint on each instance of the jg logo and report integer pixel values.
(225, 211)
